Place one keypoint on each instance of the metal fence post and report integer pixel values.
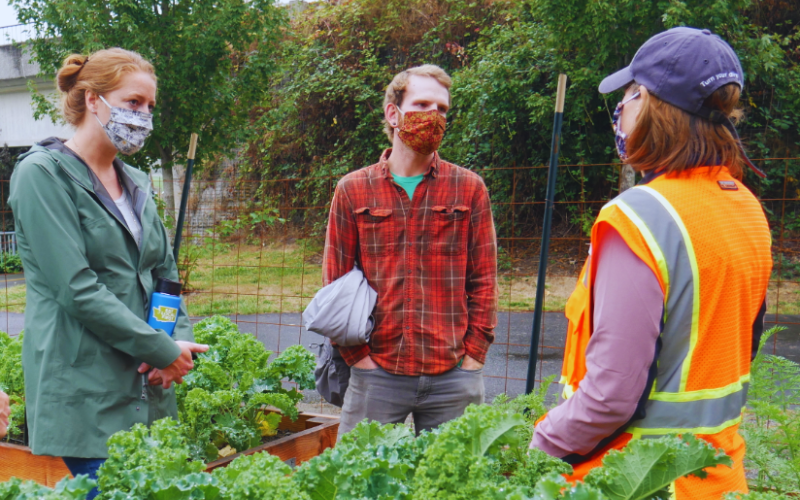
(552, 172)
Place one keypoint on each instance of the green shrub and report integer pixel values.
(10, 263)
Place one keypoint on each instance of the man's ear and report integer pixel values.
(392, 115)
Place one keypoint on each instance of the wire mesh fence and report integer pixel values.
(252, 251)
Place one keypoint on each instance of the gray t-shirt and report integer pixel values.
(131, 220)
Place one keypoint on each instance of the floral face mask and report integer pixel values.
(127, 129)
(621, 137)
(422, 131)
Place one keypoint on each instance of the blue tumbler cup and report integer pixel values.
(164, 305)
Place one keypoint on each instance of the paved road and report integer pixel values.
(9, 280)
(506, 365)
(507, 361)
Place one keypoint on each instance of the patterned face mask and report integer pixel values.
(621, 137)
(422, 131)
(127, 129)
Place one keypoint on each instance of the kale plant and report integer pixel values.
(12, 381)
(372, 461)
(516, 458)
(772, 425)
(66, 489)
(220, 400)
(142, 460)
(257, 477)
(462, 462)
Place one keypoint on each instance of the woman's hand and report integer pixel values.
(5, 411)
(154, 377)
(176, 371)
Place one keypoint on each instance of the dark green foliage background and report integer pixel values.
(298, 88)
(322, 114)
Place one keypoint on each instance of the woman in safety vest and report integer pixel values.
(670, 304)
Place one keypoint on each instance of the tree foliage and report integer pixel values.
(211, 59)
(323, 115)
(299, 89)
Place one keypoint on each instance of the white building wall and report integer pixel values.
(17, 126)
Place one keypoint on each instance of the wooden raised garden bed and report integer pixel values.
(18, 461)
(312, 434)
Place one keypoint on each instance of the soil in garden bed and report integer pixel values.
(282, 433)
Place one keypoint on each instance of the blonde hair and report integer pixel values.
(100, 72)
(668, 138)
(397, 88)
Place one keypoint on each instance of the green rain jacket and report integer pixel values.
(88, 289)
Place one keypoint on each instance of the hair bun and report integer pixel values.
(68, 74)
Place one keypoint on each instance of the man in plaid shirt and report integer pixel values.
(421, 230)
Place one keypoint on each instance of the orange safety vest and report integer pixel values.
(706, 238)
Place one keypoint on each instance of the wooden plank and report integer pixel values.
(301, 446)
(312, 434)
(18, 461)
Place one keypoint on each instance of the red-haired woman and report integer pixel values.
(92, 246)
(670, 305)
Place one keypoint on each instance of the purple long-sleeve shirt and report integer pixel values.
(628, 304)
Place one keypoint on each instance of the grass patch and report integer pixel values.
(783, 298)
(254, 279)
(279, 278)
(518, 293)
(13, 299)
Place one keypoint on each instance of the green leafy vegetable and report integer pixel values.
(12, 381)
(646, 467)
(556, 487)
(772, 429)
(145, 459)
(66, 489)
(371, 461)
(534, 465)
(462, 461)
(257, 477)
(756, 495)
(532, 406)
(220, 402)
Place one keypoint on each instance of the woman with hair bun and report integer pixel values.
(93, 246)
(669, 308)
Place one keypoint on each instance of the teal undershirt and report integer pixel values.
(408, 183)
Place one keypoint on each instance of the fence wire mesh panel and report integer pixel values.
(252, 251)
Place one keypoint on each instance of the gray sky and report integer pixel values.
(8, 16)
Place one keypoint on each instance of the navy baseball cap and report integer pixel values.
(683, 66)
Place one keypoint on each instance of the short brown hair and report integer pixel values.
(668, 138)
(100, 72)
(397, 89)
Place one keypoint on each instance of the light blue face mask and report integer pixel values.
(127, 129)
(621, 137)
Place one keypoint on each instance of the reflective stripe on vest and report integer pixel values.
(671, 408)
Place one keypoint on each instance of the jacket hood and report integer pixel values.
(75, 168)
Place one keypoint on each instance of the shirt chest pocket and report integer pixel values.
(450, 226)
(375, 230)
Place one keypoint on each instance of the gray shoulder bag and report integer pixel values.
(341, 312)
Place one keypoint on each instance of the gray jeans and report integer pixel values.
(386, 398)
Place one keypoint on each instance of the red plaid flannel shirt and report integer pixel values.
(432, 261)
